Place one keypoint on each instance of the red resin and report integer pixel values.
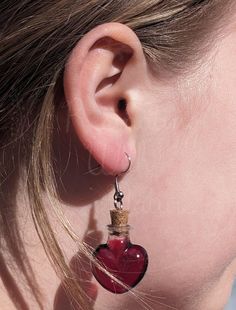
(126, 261)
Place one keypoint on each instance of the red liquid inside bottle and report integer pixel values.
(126, 261)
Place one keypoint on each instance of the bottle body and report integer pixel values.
(127, 262)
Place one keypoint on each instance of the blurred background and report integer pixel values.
(232, 301)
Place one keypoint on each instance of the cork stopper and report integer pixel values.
(119, 217)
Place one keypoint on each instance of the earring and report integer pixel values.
(127, 262)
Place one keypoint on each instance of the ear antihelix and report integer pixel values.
(108, 81)
(122, 53)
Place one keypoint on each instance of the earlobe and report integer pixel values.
(98, 78)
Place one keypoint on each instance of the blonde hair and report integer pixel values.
(35, 42)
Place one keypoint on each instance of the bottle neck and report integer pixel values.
(118, 231)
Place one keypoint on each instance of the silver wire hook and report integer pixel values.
(129, 159)
(99, 166)
(119, 195)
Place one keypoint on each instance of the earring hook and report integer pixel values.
(129, 159)
(99, 166)
(119, 195)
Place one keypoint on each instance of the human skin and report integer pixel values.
(180, 189)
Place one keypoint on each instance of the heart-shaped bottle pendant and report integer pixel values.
(126, 261)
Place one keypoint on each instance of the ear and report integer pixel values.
(101, 82)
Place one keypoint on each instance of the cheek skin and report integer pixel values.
(183, 204)
(190, 207)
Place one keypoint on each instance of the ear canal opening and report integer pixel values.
(122, 111)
